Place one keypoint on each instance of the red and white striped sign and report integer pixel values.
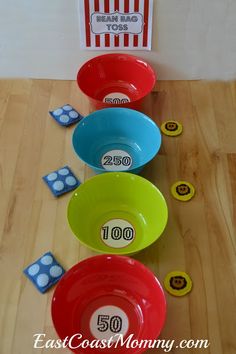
(116, 24)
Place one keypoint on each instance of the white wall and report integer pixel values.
(192, 39)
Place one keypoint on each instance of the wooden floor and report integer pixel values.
(200, 236)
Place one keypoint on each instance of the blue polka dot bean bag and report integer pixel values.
(61, 181)
(66, 115)
(45, 272)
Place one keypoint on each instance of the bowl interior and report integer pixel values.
(102, 296)
(122, 77)
(116, 139)
(117, 213)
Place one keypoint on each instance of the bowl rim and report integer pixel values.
(125, 259)
(140, 115)
(119, 251)
(116, 55)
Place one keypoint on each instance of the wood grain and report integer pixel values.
(200, 235)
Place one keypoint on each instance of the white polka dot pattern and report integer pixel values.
(58, 112)
(58, 186)
(46, 260)
(73, 114)
(55, 271)
(52, 176)
(34, 269)
(64, 118)
(71, 181)
(42, 280)
(63, 171)
(66, 115)
(61, 181)
(44, 272)
(67, 107)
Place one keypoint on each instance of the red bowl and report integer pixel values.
(106, 296)
(116, 80)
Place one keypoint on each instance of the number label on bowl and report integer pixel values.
(116, 160)
(117, 233)
(116, 98)
(107, 321)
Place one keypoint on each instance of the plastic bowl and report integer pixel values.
(108, 296)
(116, 79)
(116, 139)
(117, 213)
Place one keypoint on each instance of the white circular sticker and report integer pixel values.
(107, 321)
(116, 160)
(117, 233)
(116, 98)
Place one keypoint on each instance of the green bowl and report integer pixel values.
(117, 213)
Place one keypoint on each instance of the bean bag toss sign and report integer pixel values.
(116, 24)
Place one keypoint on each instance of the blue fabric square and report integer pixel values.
(61, 181)
(44, 272)
(66, 115)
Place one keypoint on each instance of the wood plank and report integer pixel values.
(200, 237)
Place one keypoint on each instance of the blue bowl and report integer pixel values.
(116, 139)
